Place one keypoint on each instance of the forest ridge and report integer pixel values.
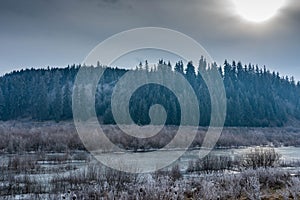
(255, 96)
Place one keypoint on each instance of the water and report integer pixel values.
(287, 153)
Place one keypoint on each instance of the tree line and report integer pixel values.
(255, 96)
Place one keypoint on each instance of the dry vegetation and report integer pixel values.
(48, 161)
(21, 137)
(98, 182)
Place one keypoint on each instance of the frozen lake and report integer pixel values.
(288, 154)
(52, 171)
(160, 158)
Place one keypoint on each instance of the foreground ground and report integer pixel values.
(47, 161)
(78, 176)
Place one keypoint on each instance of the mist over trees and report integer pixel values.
(255, 96)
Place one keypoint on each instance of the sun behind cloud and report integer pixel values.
(258, 10)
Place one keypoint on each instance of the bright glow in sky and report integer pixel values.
(258, 10)
(32, 36)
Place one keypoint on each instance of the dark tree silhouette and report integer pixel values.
(255, 97)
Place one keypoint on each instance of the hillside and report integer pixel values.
(255, 96)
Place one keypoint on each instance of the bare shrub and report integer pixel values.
(293, 187)
(252, 188)
(272, 177)
(190, 167)
(175, 173)
(261, 157)
(216, 163)
(211, 163)
(118, 179)
(208, 190)
(230, 185)
(22, 164)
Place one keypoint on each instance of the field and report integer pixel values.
(48, 161)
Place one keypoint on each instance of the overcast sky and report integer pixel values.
(40, 33)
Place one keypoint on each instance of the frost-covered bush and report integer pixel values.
(261, 157)
(210, 164)
(293, 187)
(252, 188)
(175, 173)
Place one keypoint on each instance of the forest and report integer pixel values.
(256, 97)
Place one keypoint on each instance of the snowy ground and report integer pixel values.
(51, 175)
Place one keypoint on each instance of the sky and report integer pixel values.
(55, 33)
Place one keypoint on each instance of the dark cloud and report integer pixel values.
(41, 32)
(111, 1)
